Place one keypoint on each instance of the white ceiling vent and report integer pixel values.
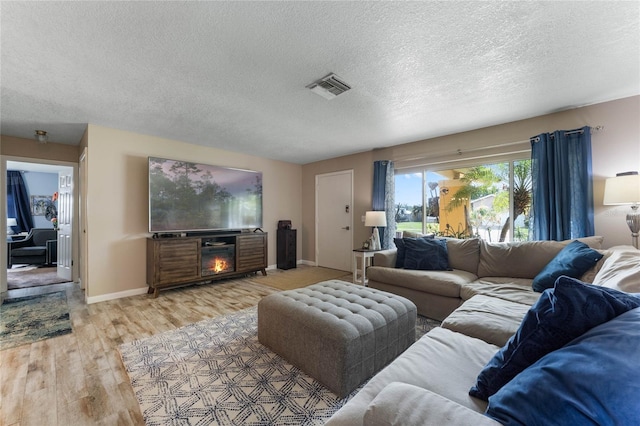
(329, 87)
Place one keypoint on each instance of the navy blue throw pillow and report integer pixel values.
(573, 260)
(562, 314)
(426, 254)
(400, 254)
(399, 242)
(590, 381)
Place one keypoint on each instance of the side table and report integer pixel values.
(360, 274)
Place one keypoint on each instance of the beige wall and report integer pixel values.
(362, 166)
(616, 148)
(29, 148)
(18, 149)
(117, 199)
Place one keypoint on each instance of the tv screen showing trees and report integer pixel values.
(186, 196)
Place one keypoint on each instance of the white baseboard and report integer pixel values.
(118, 295)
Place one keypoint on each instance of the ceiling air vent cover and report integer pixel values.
(329, 87)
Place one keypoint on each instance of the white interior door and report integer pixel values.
(65, 218)
(334, 220)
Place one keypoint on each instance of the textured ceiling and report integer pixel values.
(232, 75)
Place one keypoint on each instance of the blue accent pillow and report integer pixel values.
(573, 260)
(560, 315)
(399, 242)
(426, 254)
(591, 381)
(400, 254)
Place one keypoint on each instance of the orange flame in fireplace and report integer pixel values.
(218, 265)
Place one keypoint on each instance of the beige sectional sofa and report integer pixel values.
(503, 270)
(482, 301)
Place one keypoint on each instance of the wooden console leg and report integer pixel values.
(264, 272)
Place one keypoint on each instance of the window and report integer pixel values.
(489, 201)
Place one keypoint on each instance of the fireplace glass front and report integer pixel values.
(218, 259)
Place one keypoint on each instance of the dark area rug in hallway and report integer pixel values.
(32, 277)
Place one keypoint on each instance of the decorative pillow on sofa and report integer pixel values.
(592, 380)
(573, 260)
(560, 315)
(426, 254)
(401, 250)
(621, 271)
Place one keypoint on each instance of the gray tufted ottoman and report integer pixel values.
(339, 333)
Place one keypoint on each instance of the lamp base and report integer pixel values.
(633, 220)
(375, 239)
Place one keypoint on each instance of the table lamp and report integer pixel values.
(624, 189)
(375, 219)
(11, 222)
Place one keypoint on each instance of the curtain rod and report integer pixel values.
(593, 129)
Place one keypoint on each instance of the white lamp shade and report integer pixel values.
(375, 219)
(12, 221)
(621, 190)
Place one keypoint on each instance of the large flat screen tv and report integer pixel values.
(193, 197)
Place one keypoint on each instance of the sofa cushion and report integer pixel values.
(464, 254)
(488, 318)
(516, 290)
(443, 283)
(592, 380)
(522, 259)
(621, 271)
(29, 251)
(386, 258)
(442, 361)
(42, 235)
(401, 404)
(516, 260)
(560, 315)
(573, 260)
(426, 254)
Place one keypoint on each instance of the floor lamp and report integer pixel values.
(375, 219)
(624, 189)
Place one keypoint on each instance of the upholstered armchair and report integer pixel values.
(40, 247)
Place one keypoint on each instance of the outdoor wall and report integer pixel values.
(616, 148)
(117, 202)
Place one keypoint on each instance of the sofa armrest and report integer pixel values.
(386, 258)
(408, 405)
(25, 242)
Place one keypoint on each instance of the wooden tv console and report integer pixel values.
(178, 261)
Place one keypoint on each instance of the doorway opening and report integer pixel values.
(35, 254)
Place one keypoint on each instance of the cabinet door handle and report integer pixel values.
(345, 227)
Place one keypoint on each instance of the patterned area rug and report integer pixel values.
(25, 320)
(215, 372)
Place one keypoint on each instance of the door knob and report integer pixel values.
(346, 227)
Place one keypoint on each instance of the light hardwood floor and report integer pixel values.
(79, 379)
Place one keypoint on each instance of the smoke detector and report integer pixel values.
(329, 87)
